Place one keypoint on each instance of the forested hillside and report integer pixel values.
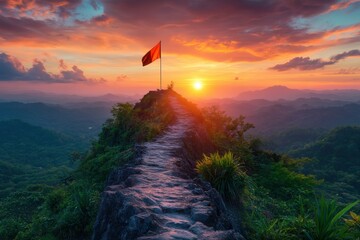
(22, 143)
(336, 159)
(33, 155)
(32, 161)
(79, 121)
(281, 117)
(274, 117)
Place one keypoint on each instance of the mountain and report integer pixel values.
(282, 117)
(64, 99)
(273, 93)
(282, 92)
(275, 117)
(31, 155)
(235, 107)
(22, 143)
(82, 121)
(336, 159)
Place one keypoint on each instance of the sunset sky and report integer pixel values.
(93, 47)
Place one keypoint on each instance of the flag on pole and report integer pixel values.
(152, 55)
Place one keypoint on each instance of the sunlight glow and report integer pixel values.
(197, 85)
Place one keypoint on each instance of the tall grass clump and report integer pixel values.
(327, 220)
(223, 173)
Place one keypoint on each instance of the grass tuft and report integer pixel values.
(223, 173)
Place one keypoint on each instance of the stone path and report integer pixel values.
(154, 201)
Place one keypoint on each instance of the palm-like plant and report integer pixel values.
(327, 216)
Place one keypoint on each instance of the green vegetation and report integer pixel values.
(336, 160)
(82, 120)
(68, 210)
(43, 196)
(292, 139)
(353, 222)
(33, 160)
(327, 216)
(31, 155)
(275, 200)
(25, 144)
(222, 172)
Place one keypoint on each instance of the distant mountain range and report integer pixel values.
(274, 117)
(281, 92)
(280, 117)
(83, 121)
(63, 99)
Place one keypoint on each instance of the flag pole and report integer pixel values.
(160, 68)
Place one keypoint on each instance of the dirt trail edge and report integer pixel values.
(153, 199)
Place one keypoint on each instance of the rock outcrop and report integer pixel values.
(158, 195)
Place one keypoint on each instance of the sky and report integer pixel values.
(94, 47)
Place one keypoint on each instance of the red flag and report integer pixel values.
(152, 55)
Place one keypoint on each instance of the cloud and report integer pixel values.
(302, 63)
(306, 63)
(76, 74)
(40, 22)
(38, 73)
(95, 4)
(121, 78)
(224, 31)
(343, 55)
(348, 71)
(11, 69)
(62, 64)
(228, 30)
(36, 9)
(342, 5)
(23, 28)
(102, 19)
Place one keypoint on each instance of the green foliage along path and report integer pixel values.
(155, 199)
(265, 194)
(336, 159)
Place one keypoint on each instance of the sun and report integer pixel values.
(197, 85)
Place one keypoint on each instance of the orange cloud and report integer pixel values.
(240, 31)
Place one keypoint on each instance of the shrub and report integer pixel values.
(283, 183)
(55, 199)
(9, 228)
(327, 216)
(273, 229)
(222, 172)
(353, 223)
